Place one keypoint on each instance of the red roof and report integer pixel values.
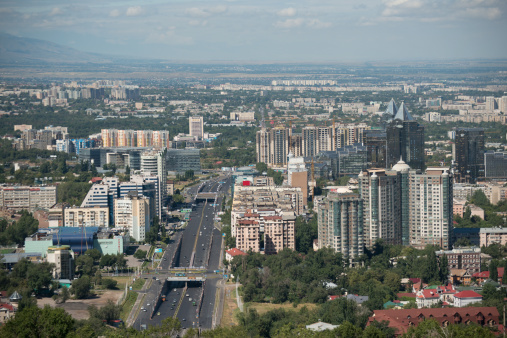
(429, 293)
(333, 297)
(269, 218)
(249, 214)
(485, 274)
(6, 306)
(235, 252)
(467, 294)
(415, 280)
(401, 320)
(247, 222)
(96, 179)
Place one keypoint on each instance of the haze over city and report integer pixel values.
(286, 31)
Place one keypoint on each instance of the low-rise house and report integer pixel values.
(483, 276)
(230, 254)
(464, 298)
(6, 312)
(321, 326)
(461, 276)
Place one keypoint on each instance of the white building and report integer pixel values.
(196, 125)
(133, 213)
(87, 217)
(154, 163)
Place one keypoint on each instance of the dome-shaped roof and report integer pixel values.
(401, 166)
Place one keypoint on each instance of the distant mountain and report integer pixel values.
(18, 51)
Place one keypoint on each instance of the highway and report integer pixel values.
(201, 245)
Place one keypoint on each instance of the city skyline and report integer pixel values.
(267, 31)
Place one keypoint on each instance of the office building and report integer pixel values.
(375, 141)
(340, 223)
(26, 197)
(345, 161)
(181, 160)
(196, 126)
(263, 146)
(135, 138)
(86, 217)
(495, 164)
(133, 214)
(405, 140)
(63, 259)
(469, 154)
(154, 163)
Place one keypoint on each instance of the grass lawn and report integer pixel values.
(262, 308)
(122, 281)
(138, 284)
(130, 300)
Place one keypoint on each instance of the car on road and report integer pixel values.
(174, 290)
(184, 320)
(187, 295)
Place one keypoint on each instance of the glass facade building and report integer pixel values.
(469, 154)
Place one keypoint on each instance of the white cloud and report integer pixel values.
(287, 12)
(490, 13)
(56, 11)
(135, 11)
(198, 22)
(290, 23)
(299, 22)
(316, 23)
(114, 13)
(197, 12)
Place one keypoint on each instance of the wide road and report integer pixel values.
(200, 241)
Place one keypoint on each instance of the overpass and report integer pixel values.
(206, 196)
(184, 275)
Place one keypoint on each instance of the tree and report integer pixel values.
(108, 312)
(64, 294)
(493, 270)
(94, 254)
(140, 254)
(39, 276)
(35, 322)
(109, 283)
(81, 287)
(443, 268)
(261, 167)
(84, 265)
(430, 269)
(462, 242)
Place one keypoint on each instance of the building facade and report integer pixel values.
(26, 197)
(196, 126)
(133, 214)
(86, 217)
(469, 154)
(340, 223)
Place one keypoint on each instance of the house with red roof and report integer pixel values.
(6, 312)
(483, 276)
(435, 293)
(402, 320)
(464, 298)
(230, 254)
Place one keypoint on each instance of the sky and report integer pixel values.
(267, 30)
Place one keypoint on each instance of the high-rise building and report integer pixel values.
(381, 191)
(263, 146)
(279, 146)
(298, 175)
(133, 213)
(405, 140)
(340, 222)
(196, 126)
(469, 154)
(495, 164)
(431, 208)
(375, 141)
(154, 163)
(63, 258)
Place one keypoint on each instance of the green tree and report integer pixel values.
(34, 322)
(493, 270)
(94, 254)
(430, 269)
(261, 167)
(109, 283)
(140, 254)
(81, 287)
(443, 268)
(84, 265)
(39, 276)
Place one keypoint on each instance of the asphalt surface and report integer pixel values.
(200, 241)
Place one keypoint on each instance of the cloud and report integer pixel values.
(134, 11)
(491, 13)
(299, 22)
(197, 12)
(114, 13)
(198, 22)
(290, 23)
(55, 11)
(287, 12)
